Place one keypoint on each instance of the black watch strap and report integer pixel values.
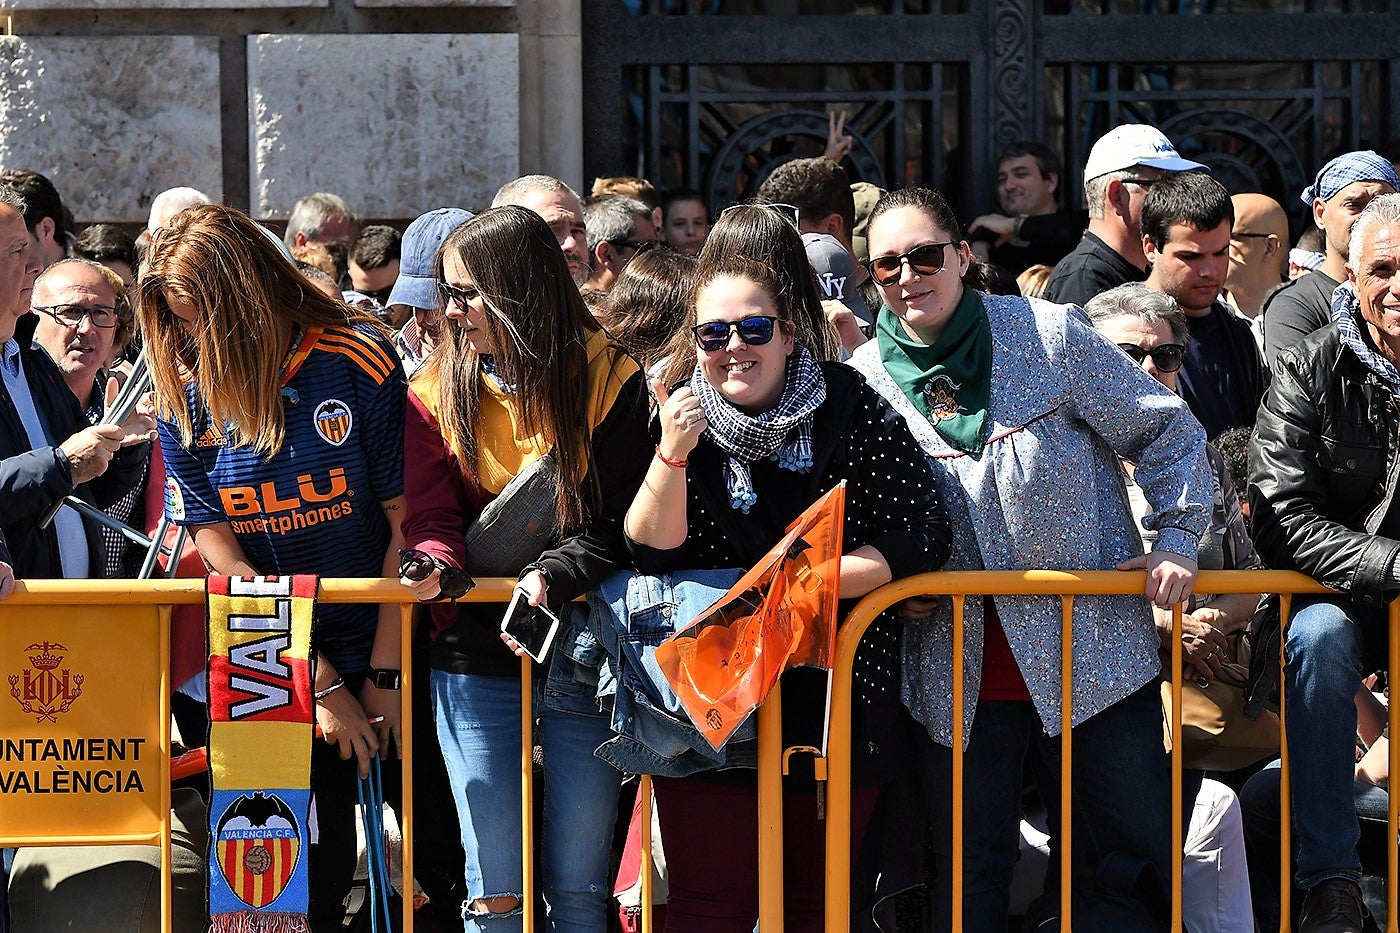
(385, 679)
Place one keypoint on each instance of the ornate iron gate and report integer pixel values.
(711, 94)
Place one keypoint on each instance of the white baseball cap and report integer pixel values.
(1134, 144)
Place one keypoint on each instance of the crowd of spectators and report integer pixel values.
(561, 389)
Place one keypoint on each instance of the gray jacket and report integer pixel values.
(1047, 492)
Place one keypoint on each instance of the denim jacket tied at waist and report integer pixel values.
(605, 660)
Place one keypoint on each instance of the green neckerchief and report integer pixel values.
(950, 381)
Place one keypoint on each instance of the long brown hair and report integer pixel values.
(249, 301)
(646, 306)
(763, 235)
(539, 327)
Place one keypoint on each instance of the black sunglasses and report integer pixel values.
(419, 565)
(923, 260)
(380, 295)
(1167, 357)
(640, 246)
(451, 293)
(714, 335)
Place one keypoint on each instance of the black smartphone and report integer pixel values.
(533, 627)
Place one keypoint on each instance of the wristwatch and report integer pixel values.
(385, 680)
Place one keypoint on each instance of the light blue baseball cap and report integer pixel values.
(416, 285)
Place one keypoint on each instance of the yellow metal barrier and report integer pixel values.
(956, 585)
(1067, 585)
(166, 593)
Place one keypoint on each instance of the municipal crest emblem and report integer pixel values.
(941, 397)
(258, 842)
(332, 420)
(46, 688)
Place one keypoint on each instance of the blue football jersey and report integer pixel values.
(314, 506)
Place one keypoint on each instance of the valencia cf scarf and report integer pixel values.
(261, 718)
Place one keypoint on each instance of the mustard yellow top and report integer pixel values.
(504, 449)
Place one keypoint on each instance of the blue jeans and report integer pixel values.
(1259, 804)
(478, 725)
(1122, 814)
(1323, 645)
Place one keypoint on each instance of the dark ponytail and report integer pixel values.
(933, 204)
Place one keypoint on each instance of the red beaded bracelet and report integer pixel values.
(678, 464)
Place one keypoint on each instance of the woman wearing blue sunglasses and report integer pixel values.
(754, 436)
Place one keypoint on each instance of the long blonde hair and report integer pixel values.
(249, 301)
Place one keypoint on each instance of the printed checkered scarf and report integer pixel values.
(1346, 312)
(783, 433)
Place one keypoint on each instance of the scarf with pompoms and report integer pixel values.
(783, 433)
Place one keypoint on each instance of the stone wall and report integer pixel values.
(397, 108)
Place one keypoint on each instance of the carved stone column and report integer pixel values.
(1012, 84)
(551, 89)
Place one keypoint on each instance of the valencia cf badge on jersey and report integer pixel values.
(333, 421)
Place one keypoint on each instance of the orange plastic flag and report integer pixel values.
(781, 614)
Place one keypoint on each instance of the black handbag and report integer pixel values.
(518, 525)
(1265, 636)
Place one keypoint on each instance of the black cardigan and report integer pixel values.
(891, 505)
(622, 452)
(891, 502)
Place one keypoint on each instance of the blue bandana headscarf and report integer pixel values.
(1306, 258)
(1349, 167)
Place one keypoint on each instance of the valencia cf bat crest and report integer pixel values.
(257, 842)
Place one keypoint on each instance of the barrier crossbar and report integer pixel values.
(957, 585)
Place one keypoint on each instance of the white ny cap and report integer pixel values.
(1134, 144)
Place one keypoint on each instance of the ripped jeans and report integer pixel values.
(478, 726)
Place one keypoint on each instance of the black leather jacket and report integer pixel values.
(1323, 469)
